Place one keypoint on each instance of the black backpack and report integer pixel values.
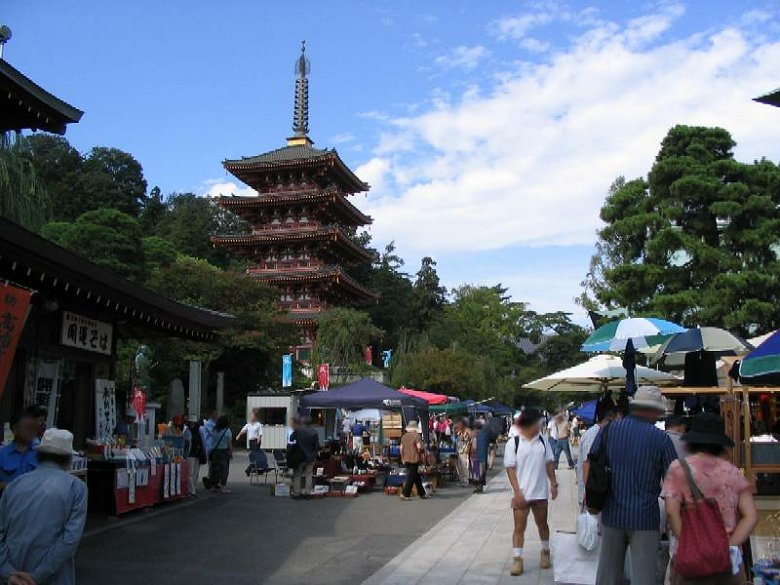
(599, 484)
(541, 440)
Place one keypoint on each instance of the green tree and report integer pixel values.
(154, 211)
(429, 296)
(23, 195)
(393, 312)
(452, 371)
(696, 242)
(157, 253)
(58, 165)
(249, 352)
(105, 236)
(112, 178)
(342, 335)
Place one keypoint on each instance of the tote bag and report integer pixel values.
(703, 546)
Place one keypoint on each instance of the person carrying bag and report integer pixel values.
(598, 480)
(710, 508)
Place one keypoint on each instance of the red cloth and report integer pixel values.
(429, 397)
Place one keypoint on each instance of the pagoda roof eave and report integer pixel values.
(239, 204)
(294, 235)
(325, 274)
(289, 157)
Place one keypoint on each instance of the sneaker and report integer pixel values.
(545, 562)
(517, 567)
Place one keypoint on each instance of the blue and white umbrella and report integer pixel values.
(642, 331)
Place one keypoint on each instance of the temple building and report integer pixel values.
(302, 223)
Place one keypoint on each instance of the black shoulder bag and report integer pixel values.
(599, 482)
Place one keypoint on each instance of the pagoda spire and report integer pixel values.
(301, 109)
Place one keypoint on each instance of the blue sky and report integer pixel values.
(490, 131)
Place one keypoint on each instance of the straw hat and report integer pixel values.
(649, 397)
(56, 442)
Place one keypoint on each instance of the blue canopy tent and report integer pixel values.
(477, 407)
(587, 411)
(499, 408)
(365, 393)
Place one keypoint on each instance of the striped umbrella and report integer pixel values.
(762, 361)
(642, 331)
(705, 339)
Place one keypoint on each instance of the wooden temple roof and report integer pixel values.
(39, 264)
(333, 235)
(251, 169)
(246, 206)
(325, 275)
(26, 105)
(772, 98)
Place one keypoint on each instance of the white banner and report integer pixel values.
(105, 408)
(84, 333)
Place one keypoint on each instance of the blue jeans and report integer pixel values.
(562, 446)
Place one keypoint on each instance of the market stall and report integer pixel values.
(364, 470)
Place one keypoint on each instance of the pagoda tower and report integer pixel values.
(302, 223)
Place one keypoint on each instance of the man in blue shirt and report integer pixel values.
(18, 457)
(42, 516)
(639, 455)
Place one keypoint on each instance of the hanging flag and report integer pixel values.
(323, 376)
(287, 370)
(369, 354)
(14, 308)
(387, 355)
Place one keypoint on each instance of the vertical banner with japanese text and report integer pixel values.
(323, 376)
(14, 307)
(287, 370)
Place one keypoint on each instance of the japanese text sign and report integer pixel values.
(85, 333)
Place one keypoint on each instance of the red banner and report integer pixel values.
(323, 376)
(14, 308)
(369, 355)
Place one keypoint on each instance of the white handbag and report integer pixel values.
(572, 564)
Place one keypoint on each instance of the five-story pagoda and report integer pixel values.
(302, 224)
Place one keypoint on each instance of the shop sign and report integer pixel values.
(14, 307)
(84, 333)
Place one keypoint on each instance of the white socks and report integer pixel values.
(518, 553)
(545, 545)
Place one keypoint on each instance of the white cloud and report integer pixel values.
(534, 45)
(462, 58)
(342, 138)
(528, 161)
(216, 187)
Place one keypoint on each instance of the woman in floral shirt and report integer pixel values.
(717, 479)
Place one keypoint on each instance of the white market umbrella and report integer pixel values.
(598, 374)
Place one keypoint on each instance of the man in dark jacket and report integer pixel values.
(302, 447)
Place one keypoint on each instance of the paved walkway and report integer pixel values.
(473, 543)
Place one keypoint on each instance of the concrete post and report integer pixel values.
(193, 397)
(220, 392)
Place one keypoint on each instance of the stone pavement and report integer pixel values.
(473, 543)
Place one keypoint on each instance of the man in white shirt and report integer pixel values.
(528, 459)
(253, 430)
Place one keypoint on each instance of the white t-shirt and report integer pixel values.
(513, 432)
(254, 432)
(530, 464)
(552, 429)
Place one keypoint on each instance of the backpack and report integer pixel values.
(599, 484)
(541, 440)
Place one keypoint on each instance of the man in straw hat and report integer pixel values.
(639, 455)
(412, 455)
(42, 517)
